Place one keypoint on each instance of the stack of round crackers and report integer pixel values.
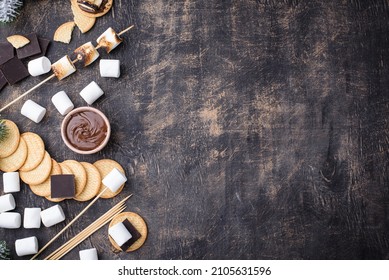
(26, 153)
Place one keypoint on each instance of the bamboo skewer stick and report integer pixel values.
(70, 223)
(68, 246)
(90, 227)
(27, 92)
(100, 222)
(52, 76)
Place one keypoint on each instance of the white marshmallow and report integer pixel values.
(62, 102)
(32, 218)
(26, 246)
(91, 93)
(52, 216)
(63, 67)
(33, 111)
(10, 220)
(7, 202)
(109, 40)
(119, 233)
(39, 66)
(88, 254)
(86, 53)
(114, 179)
(110, 68)
(11, 182)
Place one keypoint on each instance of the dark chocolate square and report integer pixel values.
(14, 70)
(3, 81)
(134, 232)
(31, 48)
(62, 186)
(44, 44)
(6, 52)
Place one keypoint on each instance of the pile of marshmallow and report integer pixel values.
(49, 217)
(64, 67)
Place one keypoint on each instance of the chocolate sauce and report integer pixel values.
(86, 130)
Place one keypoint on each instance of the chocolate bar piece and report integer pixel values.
(62, 186)
(31, 48)
(14, 70)
(3, 81)
(134, 232)
(6, 52)
(44, 44)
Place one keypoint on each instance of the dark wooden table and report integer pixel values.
(247, 129)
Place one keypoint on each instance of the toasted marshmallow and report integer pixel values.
(63, 67)
(109, 40)
(86, 53)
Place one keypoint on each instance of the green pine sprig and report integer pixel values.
(3, 130)
(4, 251)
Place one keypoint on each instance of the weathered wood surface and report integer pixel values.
(248, 129)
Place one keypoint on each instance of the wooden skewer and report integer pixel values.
(70, 223)
(51, 76)
(68, 246)
(91, 227)
(27, 92)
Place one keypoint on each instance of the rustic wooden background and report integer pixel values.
(248, 129)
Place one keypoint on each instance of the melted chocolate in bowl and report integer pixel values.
(86, 130)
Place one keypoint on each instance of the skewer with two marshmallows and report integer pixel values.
(86, 54)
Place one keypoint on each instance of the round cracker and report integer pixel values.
(138, 222)
(39, 174)
(93, 182)
(105, 166)
(35, 151)
(15, 160)
(44, 189)
(11, 142)
(79, 174)
(83, 22)
(64, 32)
(106, 9)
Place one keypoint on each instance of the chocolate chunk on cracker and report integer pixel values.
(14, 70)
(30, 49)
(63, 186)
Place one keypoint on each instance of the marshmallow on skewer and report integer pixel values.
(110, 68)
(7, 203)
(86, 53)
(114, 180)
(39, 66)
(119, 233)
(52, 216)
(10, 220)
(88, 254)
(11, 182)
(63, 67)
(109, 40)
(91, 93)
(62, 102)
(32, 217)
(33, 111)
(26, 246)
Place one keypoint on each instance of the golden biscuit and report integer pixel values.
(93, 182)
(35, 151)
(11, 142)
(79, 174)
(39, 174)
(44, 189)
(138, 222)
(15, 160)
